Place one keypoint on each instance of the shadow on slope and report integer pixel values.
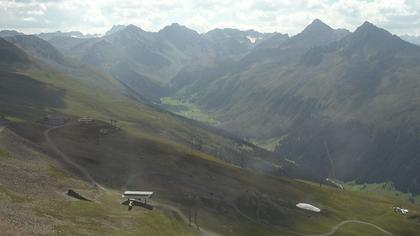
(23, 96)
(227, 199)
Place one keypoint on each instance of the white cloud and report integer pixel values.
(287, 16)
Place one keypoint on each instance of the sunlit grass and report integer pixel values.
(188, 110)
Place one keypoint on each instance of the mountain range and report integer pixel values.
(332, 103)
(344, 104)
(146, 61)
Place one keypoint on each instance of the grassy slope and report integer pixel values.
(270, 144)
(188, 110)
(86, 92)
(355, 229)
(146, 151)
(192, 111)
(227, 197)
(384, 189)
(33, 200)
(358, 98)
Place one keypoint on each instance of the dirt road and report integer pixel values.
(67, 160)
(184, 218)
(88, 177)
(338, 226)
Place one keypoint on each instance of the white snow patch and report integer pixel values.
(253, 39)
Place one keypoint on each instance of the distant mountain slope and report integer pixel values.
(273, 41)
(233, 42)
(37, 47)
(8, 33)
(147, 61)
(72, 34)
(227, 184)
(155, 56)
(315, 34)
(37, 87)
(348, 108)
(10, 54)
(279, 48)
(411, 39)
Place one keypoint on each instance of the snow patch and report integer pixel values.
(253, 39)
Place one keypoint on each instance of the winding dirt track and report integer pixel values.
(183, 217)
(337, 227)
(66, 159)
(332, 231)
(86, 174)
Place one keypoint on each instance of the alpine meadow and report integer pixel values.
(244, 118)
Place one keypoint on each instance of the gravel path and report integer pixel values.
(67, 160)
(337, 227)
(86, 174)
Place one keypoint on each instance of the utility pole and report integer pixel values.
(98, 138)
(195, 210)
(113, 123)
(189, 209)
(258, 205)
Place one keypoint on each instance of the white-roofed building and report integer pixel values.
(308, 207)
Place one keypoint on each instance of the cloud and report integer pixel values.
(287, 16)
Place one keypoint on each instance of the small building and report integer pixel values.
(86, 120)
(334, 183)
(308, 207)
(54, 120)
(400, 210)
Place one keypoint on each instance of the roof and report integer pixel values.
(308, 207)
(142, 193)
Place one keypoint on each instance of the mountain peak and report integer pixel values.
(368, 25)
(316, 26)
(132, 27)
(373, 38)
(175, 27)
(115, 28)
(176, 30)
(125, 28)
(317, 21)
(368, 28)
(315, 34)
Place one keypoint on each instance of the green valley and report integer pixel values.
(188, 110)
(167, 130)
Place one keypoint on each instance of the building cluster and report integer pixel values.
(86, 120)
(54, 120)
(400, 210)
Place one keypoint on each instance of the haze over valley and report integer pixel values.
(230, 131)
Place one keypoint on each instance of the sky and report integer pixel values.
(284, 16)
